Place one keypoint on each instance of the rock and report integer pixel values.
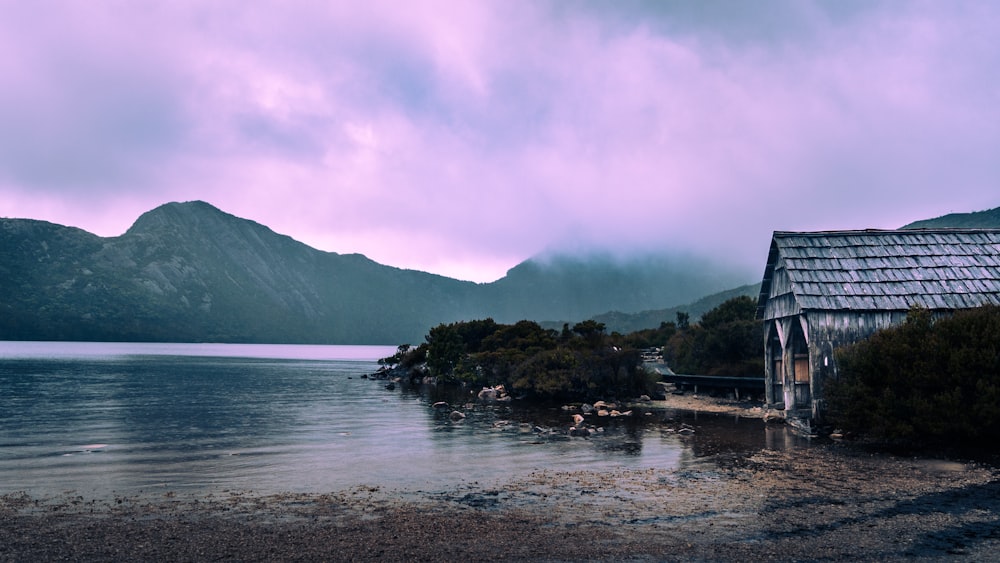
(774, 417)
(600, 405)
(579, 432)
(577, 419)
(490, 394)
(586, 409)
(441, 405)
(603, 412)
(455, 416)
(644, 398)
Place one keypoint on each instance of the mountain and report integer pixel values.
(562, 286)
(989, 219)
(631, 322)
(190, 272)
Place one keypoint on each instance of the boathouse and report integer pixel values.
(822, 290)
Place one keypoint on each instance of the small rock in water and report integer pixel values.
(456, 416)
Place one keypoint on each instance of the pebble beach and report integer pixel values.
(829, 501)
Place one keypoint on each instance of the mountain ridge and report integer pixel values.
(191, 272)
(989, 218)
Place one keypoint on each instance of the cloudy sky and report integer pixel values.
(464, 137)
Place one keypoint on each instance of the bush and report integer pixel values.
(727, 341)
(923, 382)
(578, 364)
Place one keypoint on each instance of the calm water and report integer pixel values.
(96, 418)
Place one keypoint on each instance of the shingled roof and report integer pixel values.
(876, 270)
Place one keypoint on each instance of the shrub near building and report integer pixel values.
(925, 382)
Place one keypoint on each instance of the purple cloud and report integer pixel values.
(462, 138)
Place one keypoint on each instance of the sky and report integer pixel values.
(462, 138)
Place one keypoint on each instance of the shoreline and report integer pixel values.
(823, 501)
(762, 507)
(708, 404)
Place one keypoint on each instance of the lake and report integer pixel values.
(108, 418)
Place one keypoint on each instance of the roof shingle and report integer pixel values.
(887, 270)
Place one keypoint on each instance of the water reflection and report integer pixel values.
(118, 421)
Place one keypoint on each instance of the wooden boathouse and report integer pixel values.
(822, 290)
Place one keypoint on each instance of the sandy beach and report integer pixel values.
(825, 502)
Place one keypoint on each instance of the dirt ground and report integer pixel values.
(828, 502)
(706, 403)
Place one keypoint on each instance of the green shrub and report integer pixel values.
(727, 341)
(923, 382)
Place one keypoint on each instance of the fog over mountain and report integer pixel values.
(190, 272)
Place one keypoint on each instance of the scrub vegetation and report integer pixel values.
(923, 383)
(583, 361)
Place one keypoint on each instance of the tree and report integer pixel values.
(683, 320)
(591, 331)
(727, 341)
(445, 349)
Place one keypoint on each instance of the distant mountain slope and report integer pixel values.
(989, 219)
(190, 272)
(625, 323)
(575, 287)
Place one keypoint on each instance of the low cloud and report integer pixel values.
(463, 138)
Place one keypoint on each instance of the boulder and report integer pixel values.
(490, 394)
(455, 416)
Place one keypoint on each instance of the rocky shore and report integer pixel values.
(828, 501)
